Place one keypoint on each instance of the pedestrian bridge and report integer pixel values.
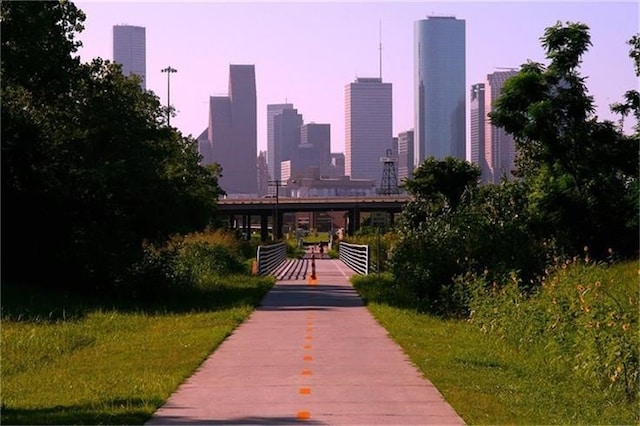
(271, 260)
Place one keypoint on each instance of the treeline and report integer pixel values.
(575, 191)
(546, 261)
(91, 171)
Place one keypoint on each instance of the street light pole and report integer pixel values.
(169, 70)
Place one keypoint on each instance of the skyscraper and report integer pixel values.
(477, 134)
(368, 127)
(231, 138)
(286, 138)
(439, 88)
(315, 148)
(405, 155)
(273, 151)
(129, 50)
(263, 174)
(500, 148)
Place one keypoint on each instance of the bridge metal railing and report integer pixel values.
(270, 257)
(355, 256)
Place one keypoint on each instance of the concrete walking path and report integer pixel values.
(311, 353)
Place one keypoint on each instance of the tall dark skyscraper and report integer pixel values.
(273, 150)
(286, 137)
(440, 88)
(129, 50)
(315, 148)
(231, 138)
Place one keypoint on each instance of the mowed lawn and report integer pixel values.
(109, 366)
(489, 383)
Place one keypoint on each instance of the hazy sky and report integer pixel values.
(305, 53)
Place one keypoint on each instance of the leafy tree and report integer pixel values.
(89, 169)
(449, 177)
(579, 170)
(632, 97)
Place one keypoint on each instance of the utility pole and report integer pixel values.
(276, 224)
(169, 70)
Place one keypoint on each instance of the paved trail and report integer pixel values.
(311, 353)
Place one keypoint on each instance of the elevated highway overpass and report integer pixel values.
(276, 207)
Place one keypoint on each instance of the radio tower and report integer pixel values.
(389, 181)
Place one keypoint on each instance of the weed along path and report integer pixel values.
(311, 353)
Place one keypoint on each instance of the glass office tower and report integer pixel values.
(439, 88)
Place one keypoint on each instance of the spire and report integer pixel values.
(380, 49)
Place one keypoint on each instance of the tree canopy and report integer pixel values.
(580, 170)
(89, 168)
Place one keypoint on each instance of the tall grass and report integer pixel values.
(582, 322)
(566, 355)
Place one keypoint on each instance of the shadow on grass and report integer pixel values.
(120, 411)
(382, 289)
(35, 303)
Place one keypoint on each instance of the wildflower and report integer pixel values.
(625, 327)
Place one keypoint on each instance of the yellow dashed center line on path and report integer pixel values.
(303, 415)
(308, 336)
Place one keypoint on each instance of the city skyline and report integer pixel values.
(308, 62)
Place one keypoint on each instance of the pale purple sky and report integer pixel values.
(305, 53)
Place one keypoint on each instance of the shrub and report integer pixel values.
(489, 232)
(185, 261)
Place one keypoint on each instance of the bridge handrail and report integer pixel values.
(355, 256)
(270, 257)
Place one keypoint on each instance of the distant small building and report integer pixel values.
(316, 186)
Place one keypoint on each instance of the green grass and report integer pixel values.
(486, 379)
(88, 361)
(318, 237)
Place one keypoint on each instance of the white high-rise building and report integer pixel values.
(129, 50)
(368, 127)
(439, 88)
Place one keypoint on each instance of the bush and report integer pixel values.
(488, 233)
(184, 261)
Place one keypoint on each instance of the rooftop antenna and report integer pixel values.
(380, 49)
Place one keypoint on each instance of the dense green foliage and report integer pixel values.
(576, 187)
(89, 169)
(582, 173)
(71, 358)
(503, 374)
(447, 179)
